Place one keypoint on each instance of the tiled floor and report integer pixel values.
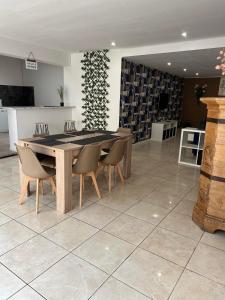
(137, 243)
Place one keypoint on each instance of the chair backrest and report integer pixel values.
(87, 159)
(124, 130)
(116, 152)
(30, 164)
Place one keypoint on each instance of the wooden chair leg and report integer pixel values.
(28, 189)
(120, 174)
(37, 195)
(110, 178)
(95, 184)
(83, 182)
(41, 186)
(52, 182)
(99, 170)
(23, 190)
(81, 189)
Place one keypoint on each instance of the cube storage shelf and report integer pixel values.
(191, 147)
(162, 131)
(141, 87)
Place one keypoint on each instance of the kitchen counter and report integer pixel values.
(22, 120)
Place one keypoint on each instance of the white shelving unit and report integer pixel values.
(162, 131)
(191, 147)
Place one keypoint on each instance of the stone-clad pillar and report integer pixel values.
(209, 211)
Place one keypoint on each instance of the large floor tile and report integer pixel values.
(70, 233)
(104, 251)
(162, 199)
(149, 274)
(4, 219)
(209, 262)
(27, 293)
(183, 225)
(116, 290)
(45, 219)
(119, 201)
(32, 258)
(14, 210)
(129, 229)
(97, 215)
(216, 239)
(7, 195)
(192, 286)
(13, 234)
(185, 207)
(170, 245)
(9, 283)
(8, 181)
(148, 212)
(71, 278)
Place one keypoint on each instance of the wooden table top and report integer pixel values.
(75, 140)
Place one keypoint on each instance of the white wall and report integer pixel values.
(45, 80)
(73, 73)
(72, 85)
(10, 71)
(21, 50)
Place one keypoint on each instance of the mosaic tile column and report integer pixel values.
(209, 211)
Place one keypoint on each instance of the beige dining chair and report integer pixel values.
(33, 171)
(113, 159)
(119, 130)
(86, 165)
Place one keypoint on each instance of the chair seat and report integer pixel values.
(47, 161)
(106, 150)
(102, 157)
(50, 171)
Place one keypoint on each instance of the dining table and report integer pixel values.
(65, 147)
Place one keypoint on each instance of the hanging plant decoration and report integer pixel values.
(95, 89)
(200, 91)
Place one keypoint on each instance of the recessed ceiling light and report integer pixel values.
(113, 44)
(197, 74)
(184, 34)
(169, 63)
(185, 70)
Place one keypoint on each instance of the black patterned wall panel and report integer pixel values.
(141, 88)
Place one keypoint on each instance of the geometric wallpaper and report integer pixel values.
(140, 92)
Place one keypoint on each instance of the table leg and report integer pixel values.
(63, 181)
(127, 159)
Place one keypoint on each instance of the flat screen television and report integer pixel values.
(163, 101)
(17, 95)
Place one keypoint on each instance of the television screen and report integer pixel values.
(17, 95)
(163, 101)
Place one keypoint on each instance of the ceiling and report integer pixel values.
(71, 25)
(198, 61)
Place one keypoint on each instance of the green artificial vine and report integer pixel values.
(95, 89)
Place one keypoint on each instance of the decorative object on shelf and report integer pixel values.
(31, 62)
(95, 65)
(69, 126)
(209, 210)
(200, 91)
(147, 95)
(221, 58)
(41, 129)
(60, 91)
